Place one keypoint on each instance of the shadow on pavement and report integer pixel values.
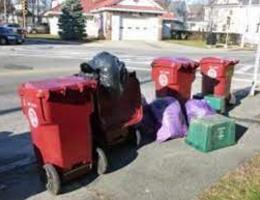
(16, 180)
(19, 174)
(239, 94)
(10, 110)
(42, 41)
(240, 131)
(53, 41)
(15, 150)
(20, 183)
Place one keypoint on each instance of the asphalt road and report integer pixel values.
(34, 61)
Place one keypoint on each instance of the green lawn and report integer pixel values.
(241, 184)
(55, 37)
(43, 36)
(194, 43)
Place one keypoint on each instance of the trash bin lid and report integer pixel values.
(59, 85)
(175, 62)
(218, 60)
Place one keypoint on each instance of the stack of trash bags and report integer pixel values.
(166, 118)
(109, 70)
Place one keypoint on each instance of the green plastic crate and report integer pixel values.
(217, 103)
(211, 132)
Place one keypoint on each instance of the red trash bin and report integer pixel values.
(58, 111)
(217, 75)
(115, 117)
(173, 76)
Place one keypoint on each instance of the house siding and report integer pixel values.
(243, 20)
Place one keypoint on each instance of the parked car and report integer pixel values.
(8, 36)
(39, 28)
(16, 28)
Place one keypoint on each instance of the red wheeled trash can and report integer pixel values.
(115, 117)
(216, 76)
(59, 111)
(173, 76)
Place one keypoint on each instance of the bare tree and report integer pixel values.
(164, 4)
(9, 6)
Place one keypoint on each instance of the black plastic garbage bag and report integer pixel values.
(109, 70)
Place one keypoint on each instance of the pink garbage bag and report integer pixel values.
(173, 124)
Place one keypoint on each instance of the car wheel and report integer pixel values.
(19, 42)
(3, 41)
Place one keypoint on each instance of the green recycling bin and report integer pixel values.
(211, 132)
(217, 103)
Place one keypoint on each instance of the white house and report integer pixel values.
(118, 19)
(234, 16)
(195, 19)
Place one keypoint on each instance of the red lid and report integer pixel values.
(217, 60)
(60, 84)
(178, 62)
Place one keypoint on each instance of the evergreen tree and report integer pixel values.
(72, 22)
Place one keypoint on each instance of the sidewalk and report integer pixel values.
(168, 171)
(248, 108)
(155, 45)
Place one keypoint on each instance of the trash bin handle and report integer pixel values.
(61, 90)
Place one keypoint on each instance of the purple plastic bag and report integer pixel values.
(173, 123)
(170, 121)
(196, 108)
(158, 107)
(143, 100)
(147, 124)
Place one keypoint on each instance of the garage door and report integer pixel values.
(134, 28)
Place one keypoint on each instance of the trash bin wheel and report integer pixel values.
(102, 162)
(138, 137)
(53, 183)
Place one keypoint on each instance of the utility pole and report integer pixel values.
(25, 11)
(246, 28)
(227, 32)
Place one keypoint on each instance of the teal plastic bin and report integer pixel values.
(211, 132)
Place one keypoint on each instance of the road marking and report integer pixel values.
(244, 68)
(140, 69)
(36, 71)
(60, 69)
(129, 61)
